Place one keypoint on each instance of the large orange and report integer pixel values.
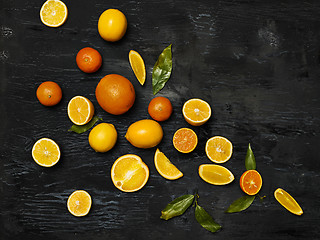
(115, 94)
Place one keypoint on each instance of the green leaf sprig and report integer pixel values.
(86, 127)
(250, 161)
(179, 205)
(162, 70)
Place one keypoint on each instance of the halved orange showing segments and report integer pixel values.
(129, 173)
(53, 13)
(80, 110)
(287, 201)
(215, 174)
(165, 167)
(79, 203)
(251, 182)
(196, 111)
(219, 149)
(185, 140)
(46, 152)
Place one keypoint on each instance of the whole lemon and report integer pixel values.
(103, 137)
(112, 25)
(144, 133)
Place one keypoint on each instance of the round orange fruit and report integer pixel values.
(115, 94)
(89, 60)
(160, 108)
(49, 93)
(251, 182)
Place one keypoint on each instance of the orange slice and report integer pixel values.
(46, 152)
(185, 140)
(53, 13)
(137, 65)
(165, 168)
(80, 110)
(287, 201)
(196, 111)
(79, 203)
(219, 149)
(129, 173)
(251, 182)
(215, 174)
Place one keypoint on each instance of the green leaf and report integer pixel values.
(250, 161)
(177, 207)
(240, 204)
(205, 220)
(86, 127)
(162, 70)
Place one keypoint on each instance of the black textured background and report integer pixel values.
(255, 62)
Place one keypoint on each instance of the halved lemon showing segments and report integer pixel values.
(165, 168)
(287, 201)
(196, 111)
(46, 152)
(80, 110)
(79, 203)
(215, 174)
(53, 13)
(137, 65)
(218, 149)
(129, 173)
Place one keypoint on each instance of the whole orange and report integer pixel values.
(49, 93)
(89, 60)
(160, 108)
(115, 94)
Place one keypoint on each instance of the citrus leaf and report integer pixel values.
(240, 204)
(205, 220)
(86, 127)
(177, 207)
(162, 70)
(250, 160)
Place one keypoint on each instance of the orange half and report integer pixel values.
(196, 111)
(218, 149)
(251, 182)
(80, 110)
(53, 13)
(185, 140)
(46, 152)
(79, 203)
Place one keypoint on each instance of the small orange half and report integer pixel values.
(80, 110)
(251, 182)
(46, 152)
(196, 111)
(218, 149)
(287, 201)
(53, 13)
(185, 140)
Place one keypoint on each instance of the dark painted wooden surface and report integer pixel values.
(256, 63)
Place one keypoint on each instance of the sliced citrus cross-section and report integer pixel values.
(79, 203)
(53, 13)
(129, 173)
(196, 111)
(46, 152)
(185, 140)
(219, 149)
(165, 168)
(137, 65)
(251, 182)
(80, 110)
(287, 201)
(215, 174)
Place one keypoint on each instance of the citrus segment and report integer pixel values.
(196, 111)
(219, 149)
(251, 182)
(80, 110)
(79, 203)
(185, 140)
(129, 173)
(46, 152)
(165, 168)
(215, 174)
(53, 13)
(287, 201)
(137, 65)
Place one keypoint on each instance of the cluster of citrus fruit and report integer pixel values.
(116, 95)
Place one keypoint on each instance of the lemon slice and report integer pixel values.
(196, 111)
(129, 173)
(219, 149)
(287, 201)
(79, 203)
(165, 168)
(53, 13)
(137, 65)
(46, 152)
(215, 174)
(80, 110)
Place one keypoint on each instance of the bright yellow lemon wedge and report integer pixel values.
(287, 201)
(53, 13)
(215, 174)
(137, 65)
(165, 168)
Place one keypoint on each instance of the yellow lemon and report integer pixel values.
(144, 133)
(53, 13)
(79, 203)
(46, 152)
(103, 137)
(112, 25)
